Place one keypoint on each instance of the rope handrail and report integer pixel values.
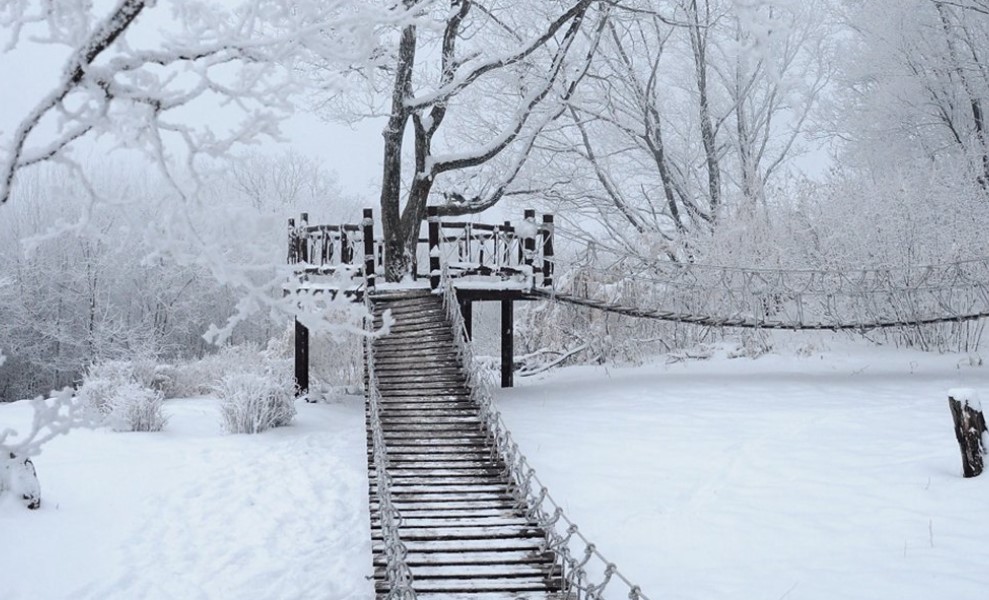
(398, 575)
(528, 491)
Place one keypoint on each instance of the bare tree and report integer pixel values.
(688, 113)
(916, 85)
(467, 62)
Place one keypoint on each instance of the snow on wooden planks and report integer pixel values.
(466, 537)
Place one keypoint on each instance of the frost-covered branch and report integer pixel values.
(117, 83)
(52, 417)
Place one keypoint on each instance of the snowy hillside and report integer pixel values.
(823, 476)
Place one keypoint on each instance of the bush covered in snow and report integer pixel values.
(203, 376)
(255, 386)
(254, 402)
(124, 395)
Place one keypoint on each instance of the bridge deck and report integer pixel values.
(465, 534)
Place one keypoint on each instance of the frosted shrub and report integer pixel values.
(255, 402)
(203, 376)
(113, 391)
(133, 407)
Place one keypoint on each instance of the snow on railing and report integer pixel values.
(398, 576)
(586, 572)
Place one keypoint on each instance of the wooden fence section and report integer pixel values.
(496, 252)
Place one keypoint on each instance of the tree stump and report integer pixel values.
(970, 429)
(17, 476)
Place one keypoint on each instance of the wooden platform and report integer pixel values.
(465, 536)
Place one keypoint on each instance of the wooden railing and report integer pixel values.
(523, 250)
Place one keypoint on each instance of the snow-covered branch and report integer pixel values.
(52, 417)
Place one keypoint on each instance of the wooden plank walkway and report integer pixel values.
(465, 537)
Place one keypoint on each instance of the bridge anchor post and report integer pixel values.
(970, 430)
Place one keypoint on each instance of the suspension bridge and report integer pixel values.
(456, 510)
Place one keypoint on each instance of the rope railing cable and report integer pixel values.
(784, 298)
(586, 573)
(398, 576)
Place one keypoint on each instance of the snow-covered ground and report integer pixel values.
(834, 475)
(821, 476)
(192, 513)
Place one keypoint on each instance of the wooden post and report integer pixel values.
(346, 252)
(301, 359)
(368, 223)
(548, 250)
(467, 311)
(505, 259)
(530, 242)
(434, 247)
(970, 430)
(507, 343)
(293, 243)
(304, 238)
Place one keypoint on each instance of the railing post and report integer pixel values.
(548, 232)
(368, 223)
(346, 252)
(530, 240)
(304, 238)
(434, 247)
(505, 258)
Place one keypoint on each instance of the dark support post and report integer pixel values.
(297, 251)
(970, 427)
(467, 311)
(368, 224)
(507, 342)
(434, 247)
(548, 250)
(293, 243)
(530, 242)
(301, 359)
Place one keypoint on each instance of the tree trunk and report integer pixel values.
(970, 431)
(397, 259)
(698, 42)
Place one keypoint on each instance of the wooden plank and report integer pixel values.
(448, 546)
(494, 596)
(505, 532)
(464, 522)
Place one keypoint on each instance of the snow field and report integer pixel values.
(192, 513)
(834, 475)
(798, 478)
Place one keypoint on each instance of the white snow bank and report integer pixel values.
(193, 513)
